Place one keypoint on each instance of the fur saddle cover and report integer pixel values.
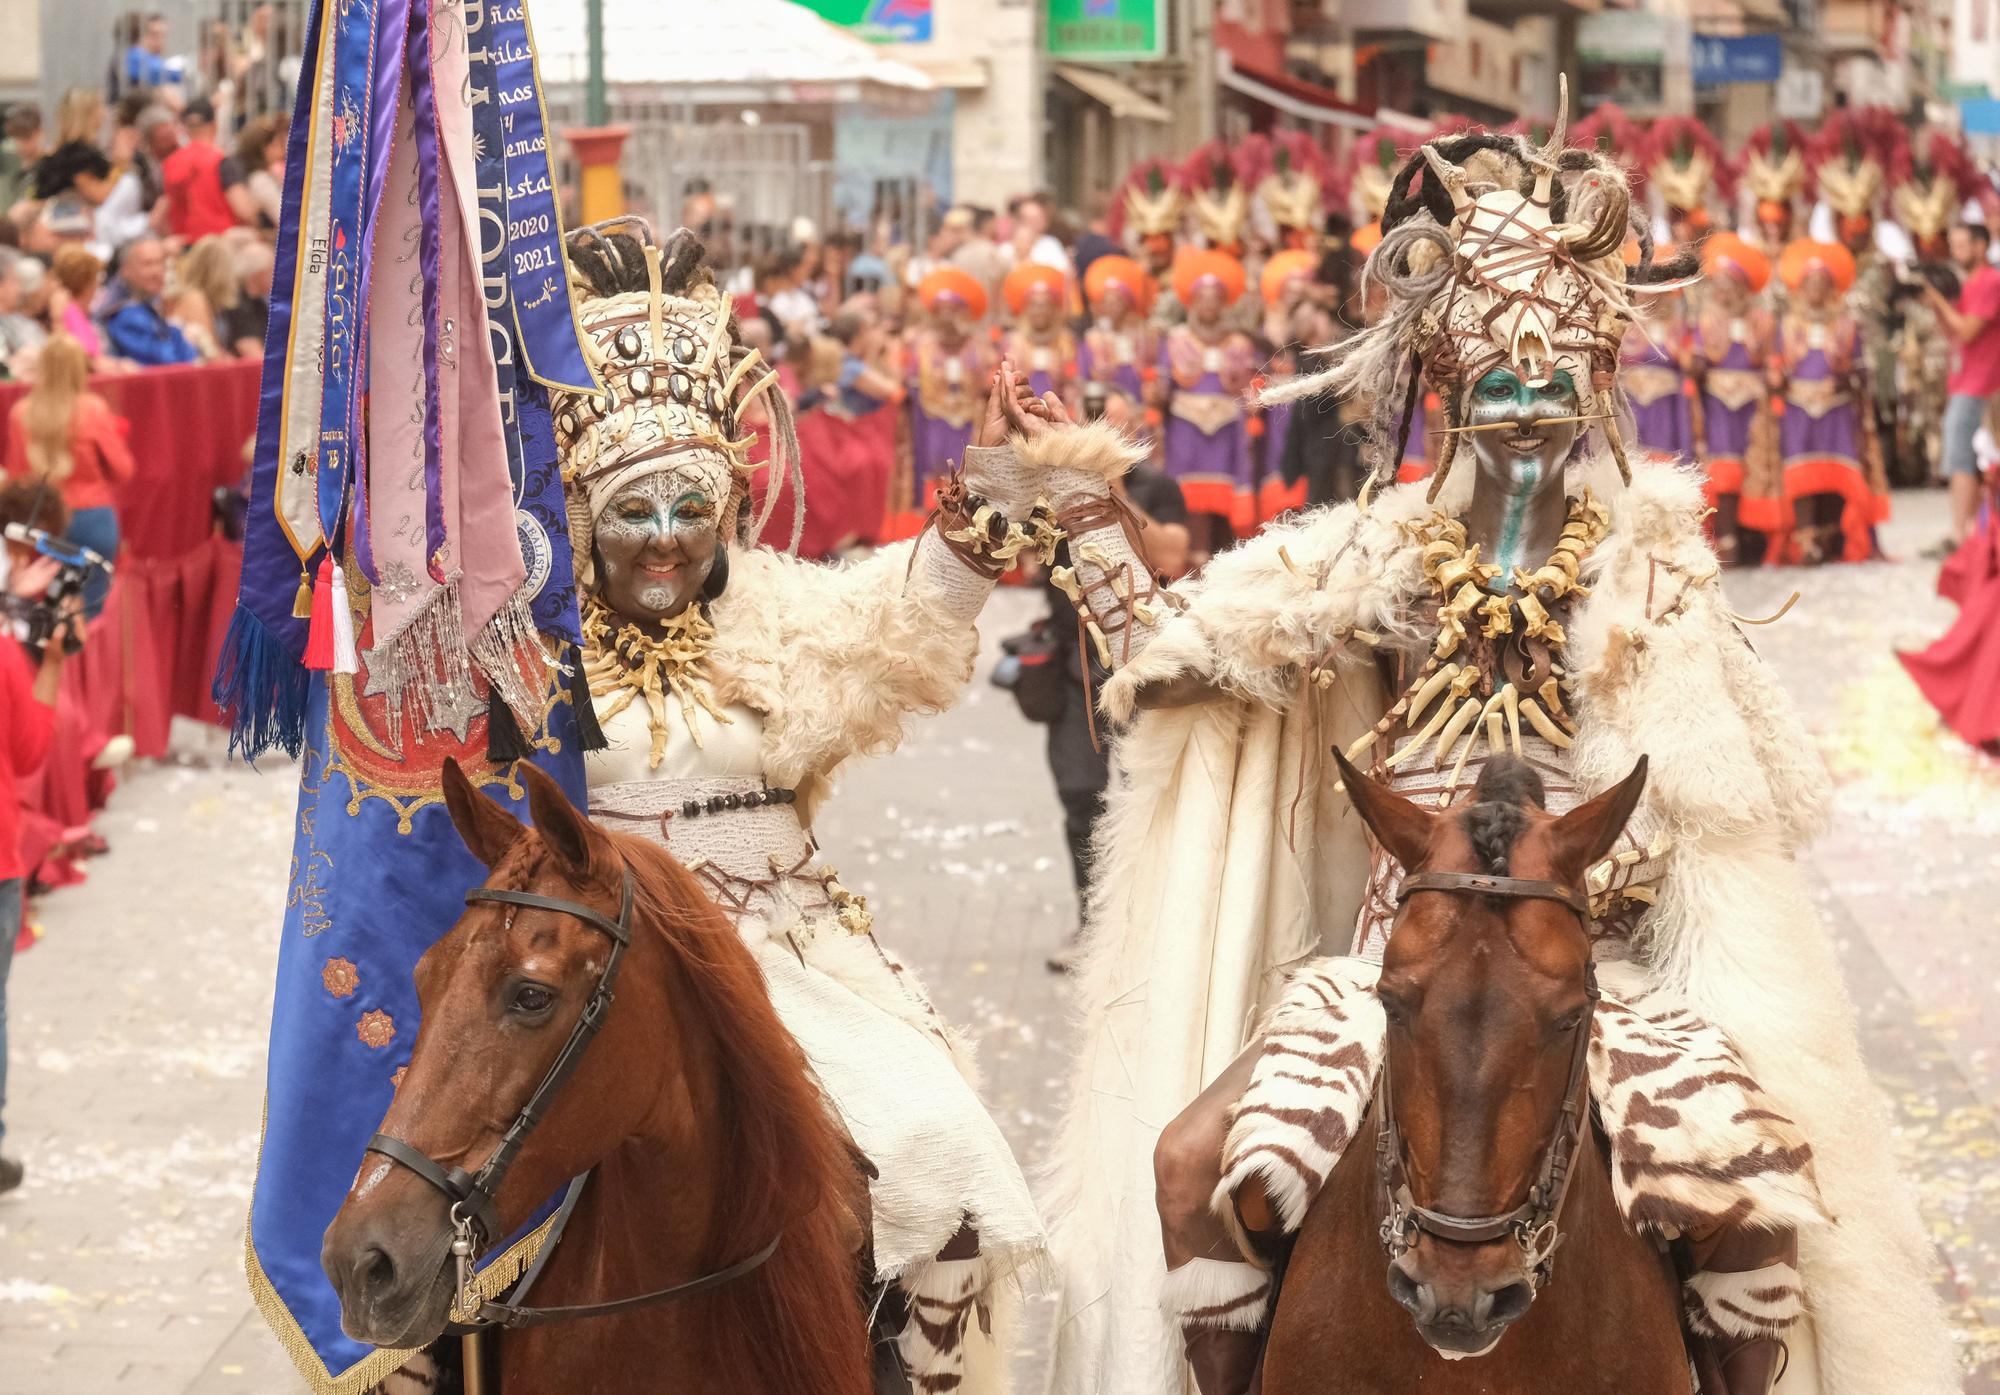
(1694, 1142)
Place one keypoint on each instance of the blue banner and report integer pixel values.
(378, 874)
(1722, 59)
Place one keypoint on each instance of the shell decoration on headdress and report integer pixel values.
(1152, 202)
(1217, 196)
(1502, 254)
(1683, 159)
(1932, 179)
(659, 336)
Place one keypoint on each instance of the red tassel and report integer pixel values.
(319, 633)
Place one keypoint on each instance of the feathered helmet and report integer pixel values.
(1850, 161)
(676, 386)
(1774, 166)
(1152, 201)
(1501, 254)
(1683, 159)
(1293, 189)
(1218, 195)
(1932, 178)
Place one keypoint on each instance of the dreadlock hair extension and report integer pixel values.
(1427, 195)
(611, 261)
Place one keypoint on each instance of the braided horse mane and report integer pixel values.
(797, 1323)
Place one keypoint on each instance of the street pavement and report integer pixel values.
(138, 1021)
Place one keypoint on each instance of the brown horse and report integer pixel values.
(693, 1108)
(1485, 993)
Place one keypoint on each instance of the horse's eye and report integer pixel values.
(1394, 1008)
(1569, 1022)
(532, 997)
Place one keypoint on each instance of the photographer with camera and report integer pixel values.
(1973, 325)
(28, 685)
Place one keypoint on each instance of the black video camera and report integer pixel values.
(45, 615)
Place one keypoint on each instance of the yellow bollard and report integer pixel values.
(602, 191)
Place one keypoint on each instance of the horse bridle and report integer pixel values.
(1534, 1224)
(475, 1218)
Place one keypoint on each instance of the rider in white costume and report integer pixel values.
(1421, 632)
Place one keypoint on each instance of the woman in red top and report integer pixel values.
(68, 436)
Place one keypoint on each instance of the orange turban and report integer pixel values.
(1122, 272)
(1365, 237)
(1725, 251)
(958, 285)
(1804, 256)
(1029, 277)
(1197, 266)
(1282, 267)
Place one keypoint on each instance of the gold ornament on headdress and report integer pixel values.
(1154, 214)
(1683, 185)
(1291, 198)
(1220, 214)
(1773, 180)
(1850, 189)
(1926, 208)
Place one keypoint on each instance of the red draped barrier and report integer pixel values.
(846, 462)
(149, 656)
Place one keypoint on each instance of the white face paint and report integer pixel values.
(655, 542)
(1522, 463)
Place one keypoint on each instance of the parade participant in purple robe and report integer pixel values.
(1834, 489)
(1119, 348)
(1040, 344)
(1207, 367)
(950, 367)
(1657, 359)
(1733, 343)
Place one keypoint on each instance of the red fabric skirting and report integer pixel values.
(1960, 674)
(1277, 497)
(1860, 510)
(847, 463)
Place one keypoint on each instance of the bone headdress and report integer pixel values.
(676, 384)
(1503, 255)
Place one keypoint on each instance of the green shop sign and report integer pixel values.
(1107, 30)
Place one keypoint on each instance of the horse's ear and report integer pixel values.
(481, 820)
(570, 837)
(1586, 833)
(1403, 828)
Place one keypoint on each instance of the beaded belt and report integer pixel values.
(743, 841)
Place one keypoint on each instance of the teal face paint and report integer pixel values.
(655, 541)
(1523, 461)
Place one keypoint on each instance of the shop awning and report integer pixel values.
(1119, 97)
(1307, 101)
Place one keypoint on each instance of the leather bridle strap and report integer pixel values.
(1485, 884)
(472, 1194)
(507, 1315)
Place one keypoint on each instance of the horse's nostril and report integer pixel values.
(1509, 1304)
(375, 1270)
(1408, 1293)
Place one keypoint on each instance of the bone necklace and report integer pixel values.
(1493, 664)
(629, 662)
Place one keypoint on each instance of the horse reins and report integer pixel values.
(1534, 1224)
(475, 1219)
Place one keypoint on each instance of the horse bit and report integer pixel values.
(1534, 1223)
(474, 1216)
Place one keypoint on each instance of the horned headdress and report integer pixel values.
(1932, 179)
(1496, 253)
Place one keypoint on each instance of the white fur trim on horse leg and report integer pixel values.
(1227, 1294)
(945, 1306)
(1765, 1302)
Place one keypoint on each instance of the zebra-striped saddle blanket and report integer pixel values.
(1694, 1141)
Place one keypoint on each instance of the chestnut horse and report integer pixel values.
(692, 1108)
(1485, 988)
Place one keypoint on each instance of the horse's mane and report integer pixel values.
(1494, 821)
(796, 1324)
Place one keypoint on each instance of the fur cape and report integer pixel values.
(1225, 860)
